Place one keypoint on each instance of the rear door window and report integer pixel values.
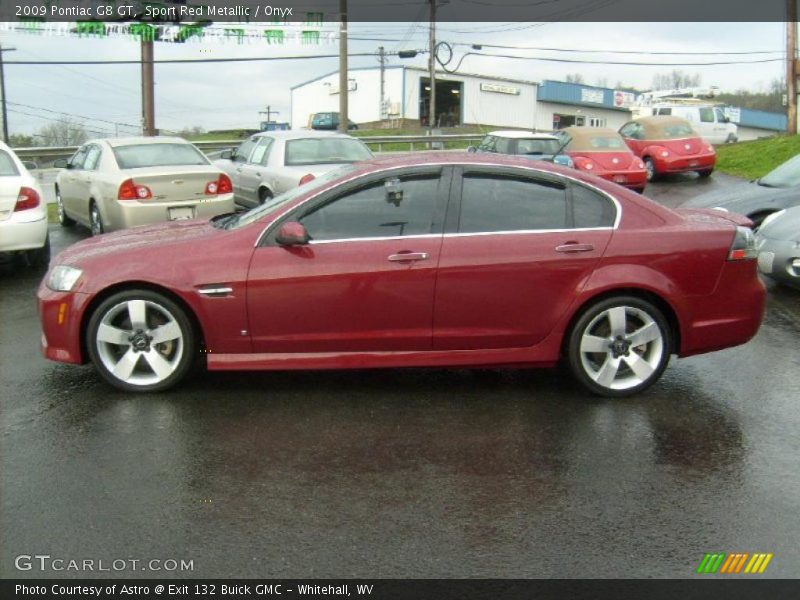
(92, 158)
(7, 166)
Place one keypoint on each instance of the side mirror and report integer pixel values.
(472, 149)
(30, 165)
(61, 163)
(292, 233)
(226, 154)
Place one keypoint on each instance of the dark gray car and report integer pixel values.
(778, 243)
(778, 189)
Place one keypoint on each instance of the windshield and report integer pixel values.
(537, 146)
(785, 175)
(158, 155)
(245, 218)
(318, 151)
(7, 166)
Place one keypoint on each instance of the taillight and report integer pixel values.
(306, 178)
(584, 163)
(28, 198)
(131, 191)
(744, 245)
(222, 185)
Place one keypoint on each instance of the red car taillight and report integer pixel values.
(222, 185)
(28, 198)
(130, 191)
(306, 178)
(744, 245)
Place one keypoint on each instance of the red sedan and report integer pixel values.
(603, 152)
(669, 145)
(434, 259)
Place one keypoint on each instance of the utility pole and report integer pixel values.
(269, 112)
(432, 68)
(148, 89)
(343, 91)
(3, 92)
(791, 66)
(382, 58)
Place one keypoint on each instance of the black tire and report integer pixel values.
(758, 218)
(650, 167)
(632, 368)
(63, 219)
(264, 195)
(40, 257)
(96, 225)
(705, 173)
(132, 362)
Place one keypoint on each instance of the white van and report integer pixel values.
(707, 120)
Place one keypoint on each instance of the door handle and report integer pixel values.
(571, 247)
(408, 256)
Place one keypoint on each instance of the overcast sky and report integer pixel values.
(229, 95)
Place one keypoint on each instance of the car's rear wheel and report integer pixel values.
(63, 219)
(95, 220)
(140, 340)
(619, 346)
(40, 257)
(264, 195)
(650, 167)
(705, 173)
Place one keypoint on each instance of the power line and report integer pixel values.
(182, 60)
(61, 112)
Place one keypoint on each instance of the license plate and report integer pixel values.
(693, 163)
(765, 260)
(184, 212)
(620, 178)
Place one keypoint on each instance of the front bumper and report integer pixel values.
(682, 164)
(20, 232)
(779, 260)
(61, 315)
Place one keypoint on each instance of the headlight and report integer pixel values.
(664, 153)
(63, 278)
(771, 217)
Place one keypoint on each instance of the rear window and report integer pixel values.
(158, 155)
(600, 143)
(7, 166)
(534, 146)
(318, 151)
(675, 131)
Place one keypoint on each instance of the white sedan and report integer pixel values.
(270, 163)
(23, 213)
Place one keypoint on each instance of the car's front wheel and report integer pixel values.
(650, 167)
(619, 346)
(140, 340)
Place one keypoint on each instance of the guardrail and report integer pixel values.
(46, 155)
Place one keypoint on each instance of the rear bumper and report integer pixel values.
(635, 180)
(60, 314)
(23, 232)
(730, 316)
(131, 213)
(682, 164)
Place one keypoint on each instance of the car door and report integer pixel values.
(633, 134)
(240, 156)
(86, 180)
(518, 247)
(366, 280)
(69, 182)
(252, 172)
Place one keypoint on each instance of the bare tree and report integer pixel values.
(64, 132)
(675, 79)
(574, 78)
(601, 82)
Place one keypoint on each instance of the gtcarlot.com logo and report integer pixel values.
(45, 562)
(736, 563)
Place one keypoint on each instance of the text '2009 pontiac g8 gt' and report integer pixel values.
(435, 259)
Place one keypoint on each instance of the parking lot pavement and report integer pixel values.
(402, 473)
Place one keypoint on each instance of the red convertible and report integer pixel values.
(433, 259)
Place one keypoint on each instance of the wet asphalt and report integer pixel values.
(402, 473)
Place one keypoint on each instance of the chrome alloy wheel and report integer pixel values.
(621, 348)
(140, 342)
(95, 220)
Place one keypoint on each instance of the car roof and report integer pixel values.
(528, 135)
(141, 140)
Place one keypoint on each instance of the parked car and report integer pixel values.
(757, 199)
(23, 213)
(118, 183)
(424, 259)
(778, 243)
(539, 146)
(668, 145)
(269, 163)
(604, 153)
(708, 120)
(329, 121)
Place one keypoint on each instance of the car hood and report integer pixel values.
(741, 198)
(785, 227)
(164, 235)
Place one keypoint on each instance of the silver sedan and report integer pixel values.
(778, 243)
(270, 163)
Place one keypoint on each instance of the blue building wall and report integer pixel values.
(576, 94)
(762, 120)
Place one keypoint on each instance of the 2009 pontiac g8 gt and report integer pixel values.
(435, 259)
